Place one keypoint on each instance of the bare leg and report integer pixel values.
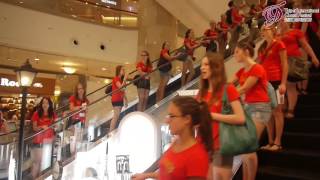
(279, 121)
(292, 99)
(36, 163)
(191, 70)
(184, 72)
(162, 87)
(140, 97)
(116, 114)
(250, 161)
(222, 173)
(145, 99)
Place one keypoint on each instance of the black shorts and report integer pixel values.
(294, 79)
(275, 84)
(144, 84)
(120, 103)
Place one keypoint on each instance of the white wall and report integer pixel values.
(195, 14)
(28, 29)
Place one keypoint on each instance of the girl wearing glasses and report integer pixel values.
(144, 67)
(188, 157)
(78, 101)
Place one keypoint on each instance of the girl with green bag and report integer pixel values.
(212, 87)
(254, 85)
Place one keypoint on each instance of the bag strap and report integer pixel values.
(268, 49)
(225, 99)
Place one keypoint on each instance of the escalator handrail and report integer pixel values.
(70, 114)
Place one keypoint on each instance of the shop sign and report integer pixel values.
(40, 86)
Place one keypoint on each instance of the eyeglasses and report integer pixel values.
(170, 116)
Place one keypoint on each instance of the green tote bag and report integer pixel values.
(236, 139)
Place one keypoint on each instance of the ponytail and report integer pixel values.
(200, 116)
(205, 128)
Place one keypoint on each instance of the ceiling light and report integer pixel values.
(21, 2)
(103, 69)
(107, 81)
(127, 62)
(36, 59)
(86, 2)
(74, 15)
(69, 70)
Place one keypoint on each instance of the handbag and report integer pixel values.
(272, 95)
(183, 53)
(298, 68)
(164, 65)
(236, 139)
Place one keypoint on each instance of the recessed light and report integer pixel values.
(127, 62)
(97, 3)
(69, 70)
(103, 69)
(21, 2)
(74, 15)
(36, 59)
(86, 2)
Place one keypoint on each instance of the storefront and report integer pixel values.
(10, 94)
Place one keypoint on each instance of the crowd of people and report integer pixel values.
(196, 122)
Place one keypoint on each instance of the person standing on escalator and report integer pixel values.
(118, 98)
(144, 67)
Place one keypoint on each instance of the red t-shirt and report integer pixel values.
(210, 33)
(225, 27)
(78, 103)
(144, 68)
(163, 52)
(237, 17)
(190, 43)
(271, 60)
(119, 95)
(290, 39)
(258, 93)
(233, 95)
(192, 162)
(43, 121)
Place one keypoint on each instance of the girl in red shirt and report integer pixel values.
(212, 87)
(118, 98)
(253, 84)
(41, 121)
(188, 157)
(144, 67)
(77, 101)
(274, 60)
(210, 37)
(190, 44)
(165, 73)
(223, 29)
(293, 39)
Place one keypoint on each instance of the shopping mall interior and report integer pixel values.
(61, 44)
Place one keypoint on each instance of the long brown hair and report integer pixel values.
(148, 63)
(218, 77)
(76, 94)
(200, 116)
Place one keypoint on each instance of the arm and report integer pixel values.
(304, 27)
(236, 118)
(37, 128)
(194, 46)
(144, 176)
(140, 71)
(250, 82)
(284, 66)
(171, 58)
(305, 45)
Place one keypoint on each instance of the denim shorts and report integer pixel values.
(259, 111)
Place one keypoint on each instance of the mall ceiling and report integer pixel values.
(78, 9)
(53, 64)
(103, 12)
